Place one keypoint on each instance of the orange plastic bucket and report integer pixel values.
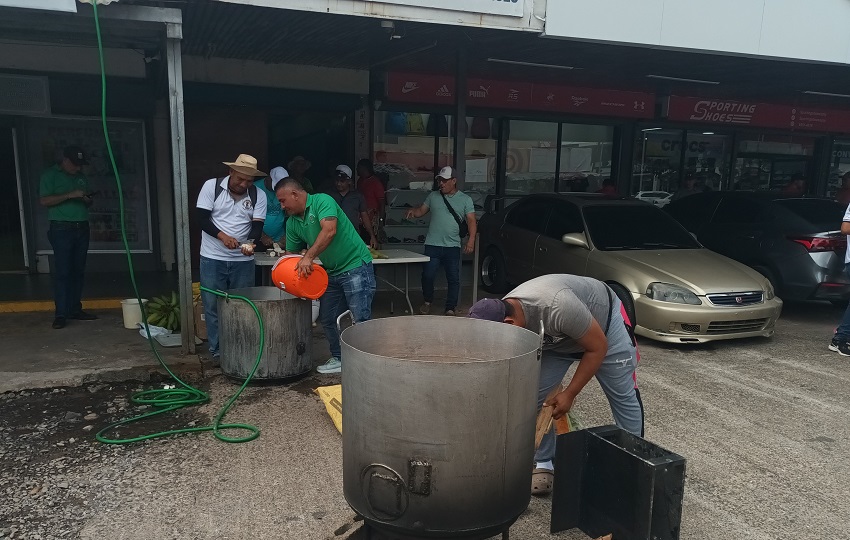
(285, 277)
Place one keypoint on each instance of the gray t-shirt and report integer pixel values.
(567, 304)
(353, 203)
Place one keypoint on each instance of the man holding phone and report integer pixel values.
(64, 190)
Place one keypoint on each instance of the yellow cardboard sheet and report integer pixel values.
(331, 396)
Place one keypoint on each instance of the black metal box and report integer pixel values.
(610, 481)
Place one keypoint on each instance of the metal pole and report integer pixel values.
(459, 134)
(475, 269)
(181, 195)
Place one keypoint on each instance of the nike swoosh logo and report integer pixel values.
(407, 90)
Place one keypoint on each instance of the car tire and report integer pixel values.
(626, 298)
(491, 272)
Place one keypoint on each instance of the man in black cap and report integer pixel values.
(64, 190)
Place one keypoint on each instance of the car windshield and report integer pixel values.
(620, 227)
(822, 214)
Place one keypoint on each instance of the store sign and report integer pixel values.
(49, 5)
(769, 115)
(511, 8)
(440, 90)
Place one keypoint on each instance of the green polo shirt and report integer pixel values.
(346, 251)
(55, 181)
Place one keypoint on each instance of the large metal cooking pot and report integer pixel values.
(288, 326)
(439, 417)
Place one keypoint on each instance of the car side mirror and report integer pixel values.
(575, 239)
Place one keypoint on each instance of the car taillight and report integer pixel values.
(821, 243)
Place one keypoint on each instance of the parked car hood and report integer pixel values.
(702, 270)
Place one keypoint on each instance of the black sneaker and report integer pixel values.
(844, 349)
(59, 322)
(83, 316)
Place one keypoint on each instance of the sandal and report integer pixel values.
(541, 482)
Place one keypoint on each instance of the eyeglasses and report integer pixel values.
(444, 180)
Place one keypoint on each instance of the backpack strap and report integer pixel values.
(252, 192)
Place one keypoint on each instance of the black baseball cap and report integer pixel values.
(75, 155)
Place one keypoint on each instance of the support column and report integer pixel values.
(459, 133)
(174, 65)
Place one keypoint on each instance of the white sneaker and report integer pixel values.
(425, 308)
(333, 365)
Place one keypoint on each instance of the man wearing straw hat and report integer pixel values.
(319, 227)
(231, 217)
(583, 321)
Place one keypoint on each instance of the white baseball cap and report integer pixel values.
(277, 174)
(446, 173)
(345, 169)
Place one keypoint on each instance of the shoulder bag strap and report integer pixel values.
(452, 210)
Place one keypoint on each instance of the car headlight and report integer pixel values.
(665, 292)
(769, 293)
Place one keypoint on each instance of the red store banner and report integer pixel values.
(440, 90)
(766, 115)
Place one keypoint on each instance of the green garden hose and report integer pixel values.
(183, 394)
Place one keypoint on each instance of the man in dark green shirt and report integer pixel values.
(64, 190)
(317, 223)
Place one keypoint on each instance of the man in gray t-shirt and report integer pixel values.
(582, 320)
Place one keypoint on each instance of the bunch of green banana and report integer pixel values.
(164, 311)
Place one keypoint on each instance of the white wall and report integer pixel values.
(296, 77)
(460, 12)
(817, 30)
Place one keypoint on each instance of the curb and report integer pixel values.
(26, 306)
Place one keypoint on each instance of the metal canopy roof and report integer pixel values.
(226, 30)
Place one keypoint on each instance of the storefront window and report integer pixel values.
(585, 157)
(839, 165)
(768, 162)
(708, 156)
(658, 156)
(531, 159)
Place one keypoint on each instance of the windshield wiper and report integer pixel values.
(665, 245)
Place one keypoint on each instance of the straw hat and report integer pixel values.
(246, 165)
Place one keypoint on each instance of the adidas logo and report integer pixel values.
(444, 91)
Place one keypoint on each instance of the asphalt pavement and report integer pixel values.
(763, 423)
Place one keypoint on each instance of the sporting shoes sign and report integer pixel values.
(511, 8)
(767, 115)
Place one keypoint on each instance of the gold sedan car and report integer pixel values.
(673, 288)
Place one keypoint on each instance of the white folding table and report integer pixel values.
(394, 256)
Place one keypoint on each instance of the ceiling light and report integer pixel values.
(651, 129)
(829, 94)
(532, 64)
(679, 79)
(708, 133)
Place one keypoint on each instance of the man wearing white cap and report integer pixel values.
(452, 219)
(274, 228)
(231, 216)
(353, 203)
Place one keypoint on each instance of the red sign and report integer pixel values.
(440, 89)
(742, 113)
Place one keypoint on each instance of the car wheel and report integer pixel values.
(626, 298)
(492, 272)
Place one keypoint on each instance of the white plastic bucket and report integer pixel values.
(315, 310)
(132, 313)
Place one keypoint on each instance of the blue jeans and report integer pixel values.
(70, 247)
(843, 331)
(448, 258)
(353, 290)
(615, 376)
(221, 276)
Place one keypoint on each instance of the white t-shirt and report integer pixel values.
(232, 217)
(847, 218)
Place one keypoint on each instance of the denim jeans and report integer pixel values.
(221, 276)
(448, 258)
(353, 290)
(70, 248)
(843, 331)
(616, 376)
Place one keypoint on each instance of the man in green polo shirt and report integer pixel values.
(64, 190)
(317, 223)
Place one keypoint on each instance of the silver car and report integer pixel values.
(674, 289)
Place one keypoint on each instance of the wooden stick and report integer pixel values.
(544, 424)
